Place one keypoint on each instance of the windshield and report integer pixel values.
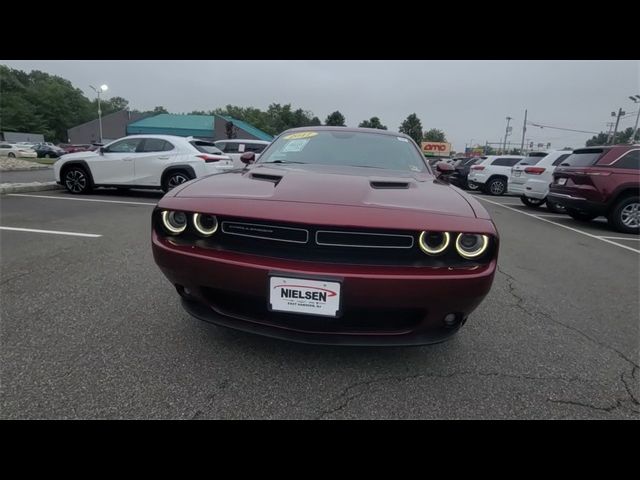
(346, 148)
(206, 147)
(582, 158)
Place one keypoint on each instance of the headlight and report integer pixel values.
(433, 243)
(206, 225)
(471, 245)
(174, 222)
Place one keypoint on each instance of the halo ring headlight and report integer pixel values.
(434, 250)
(468, 250)
(209, 227)
(174, 222)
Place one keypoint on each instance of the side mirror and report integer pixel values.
(248, 158)
(101, 150)
(443, 168)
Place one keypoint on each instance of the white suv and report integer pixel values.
(235, 147)
(491, 173)
(140, 161)
(531, 178)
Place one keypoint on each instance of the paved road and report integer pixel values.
(39, 175)
(91, 329)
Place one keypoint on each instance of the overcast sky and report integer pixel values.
(469, 100)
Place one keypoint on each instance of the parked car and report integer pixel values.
(16, 151)
(335, 235)
(73, 148)
(140, 161)
(601, 181)
(235, 147)
(47, 150)
(531, 178)
(491, 175)
(459, 177)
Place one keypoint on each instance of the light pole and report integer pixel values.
(103, 88)
(636, 100)
(615, 129)
(506, 134)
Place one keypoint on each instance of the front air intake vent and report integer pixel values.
(265, 177)
(389, 185)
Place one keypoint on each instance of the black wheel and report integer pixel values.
(580, 216)
(555, 207)
(472, 186)
(76, 180)
(11, 155)
(625, 215)
(496, 186)
(532, 202)
(173, 179)
(48, 155)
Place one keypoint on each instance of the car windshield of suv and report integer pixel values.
(583, 158)
(346, 148)
(206, 147)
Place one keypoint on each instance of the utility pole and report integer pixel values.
(610, 125)
(524, 131)
(636, 100)
(615, 130)
(506, 134)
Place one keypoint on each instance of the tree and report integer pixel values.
(373, 122)
(159, 109)
(231, 130)
(276, 119)
(412, 127)
(603, 138)
(335, 119)
(434, 135)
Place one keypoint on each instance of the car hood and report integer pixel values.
(347, 186)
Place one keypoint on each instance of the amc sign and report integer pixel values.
(436, 149)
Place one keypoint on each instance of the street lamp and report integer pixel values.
(103, 88)
(635, 99)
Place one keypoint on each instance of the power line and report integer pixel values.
(560, 128)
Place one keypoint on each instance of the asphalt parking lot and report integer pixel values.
(91, 329)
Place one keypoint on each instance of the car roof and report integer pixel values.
(346, 129)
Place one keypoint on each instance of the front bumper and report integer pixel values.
(381, 305)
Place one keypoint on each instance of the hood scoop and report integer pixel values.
(387, 185)
(266, 177)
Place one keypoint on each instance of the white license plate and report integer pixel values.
(298, 295)
(517, 173)
(562, 181)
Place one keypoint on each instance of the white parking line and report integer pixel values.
(53, 232)
(621, 238)
(78, 199)
(602, 239)
(550, 215)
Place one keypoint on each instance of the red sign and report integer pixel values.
(436, 149)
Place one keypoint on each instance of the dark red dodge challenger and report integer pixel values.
(334, 236)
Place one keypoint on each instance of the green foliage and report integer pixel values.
(373, 122)
(601, 139)
(412, 127)
(434, 135)
(275, 120)
(335, 119)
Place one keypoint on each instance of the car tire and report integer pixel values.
(76, 180)
(532, 202)
(11, 155)
(174, 178)
(48, 155)
(625, 215)
(496, 187)
(472, 186)
(555, 207)
(580, 216)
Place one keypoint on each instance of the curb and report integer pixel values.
(29, 187)
(30, 169)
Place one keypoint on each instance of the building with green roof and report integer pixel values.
(211, 127)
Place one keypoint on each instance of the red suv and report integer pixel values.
(597, 181)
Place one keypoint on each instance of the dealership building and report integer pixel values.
(122, 123)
